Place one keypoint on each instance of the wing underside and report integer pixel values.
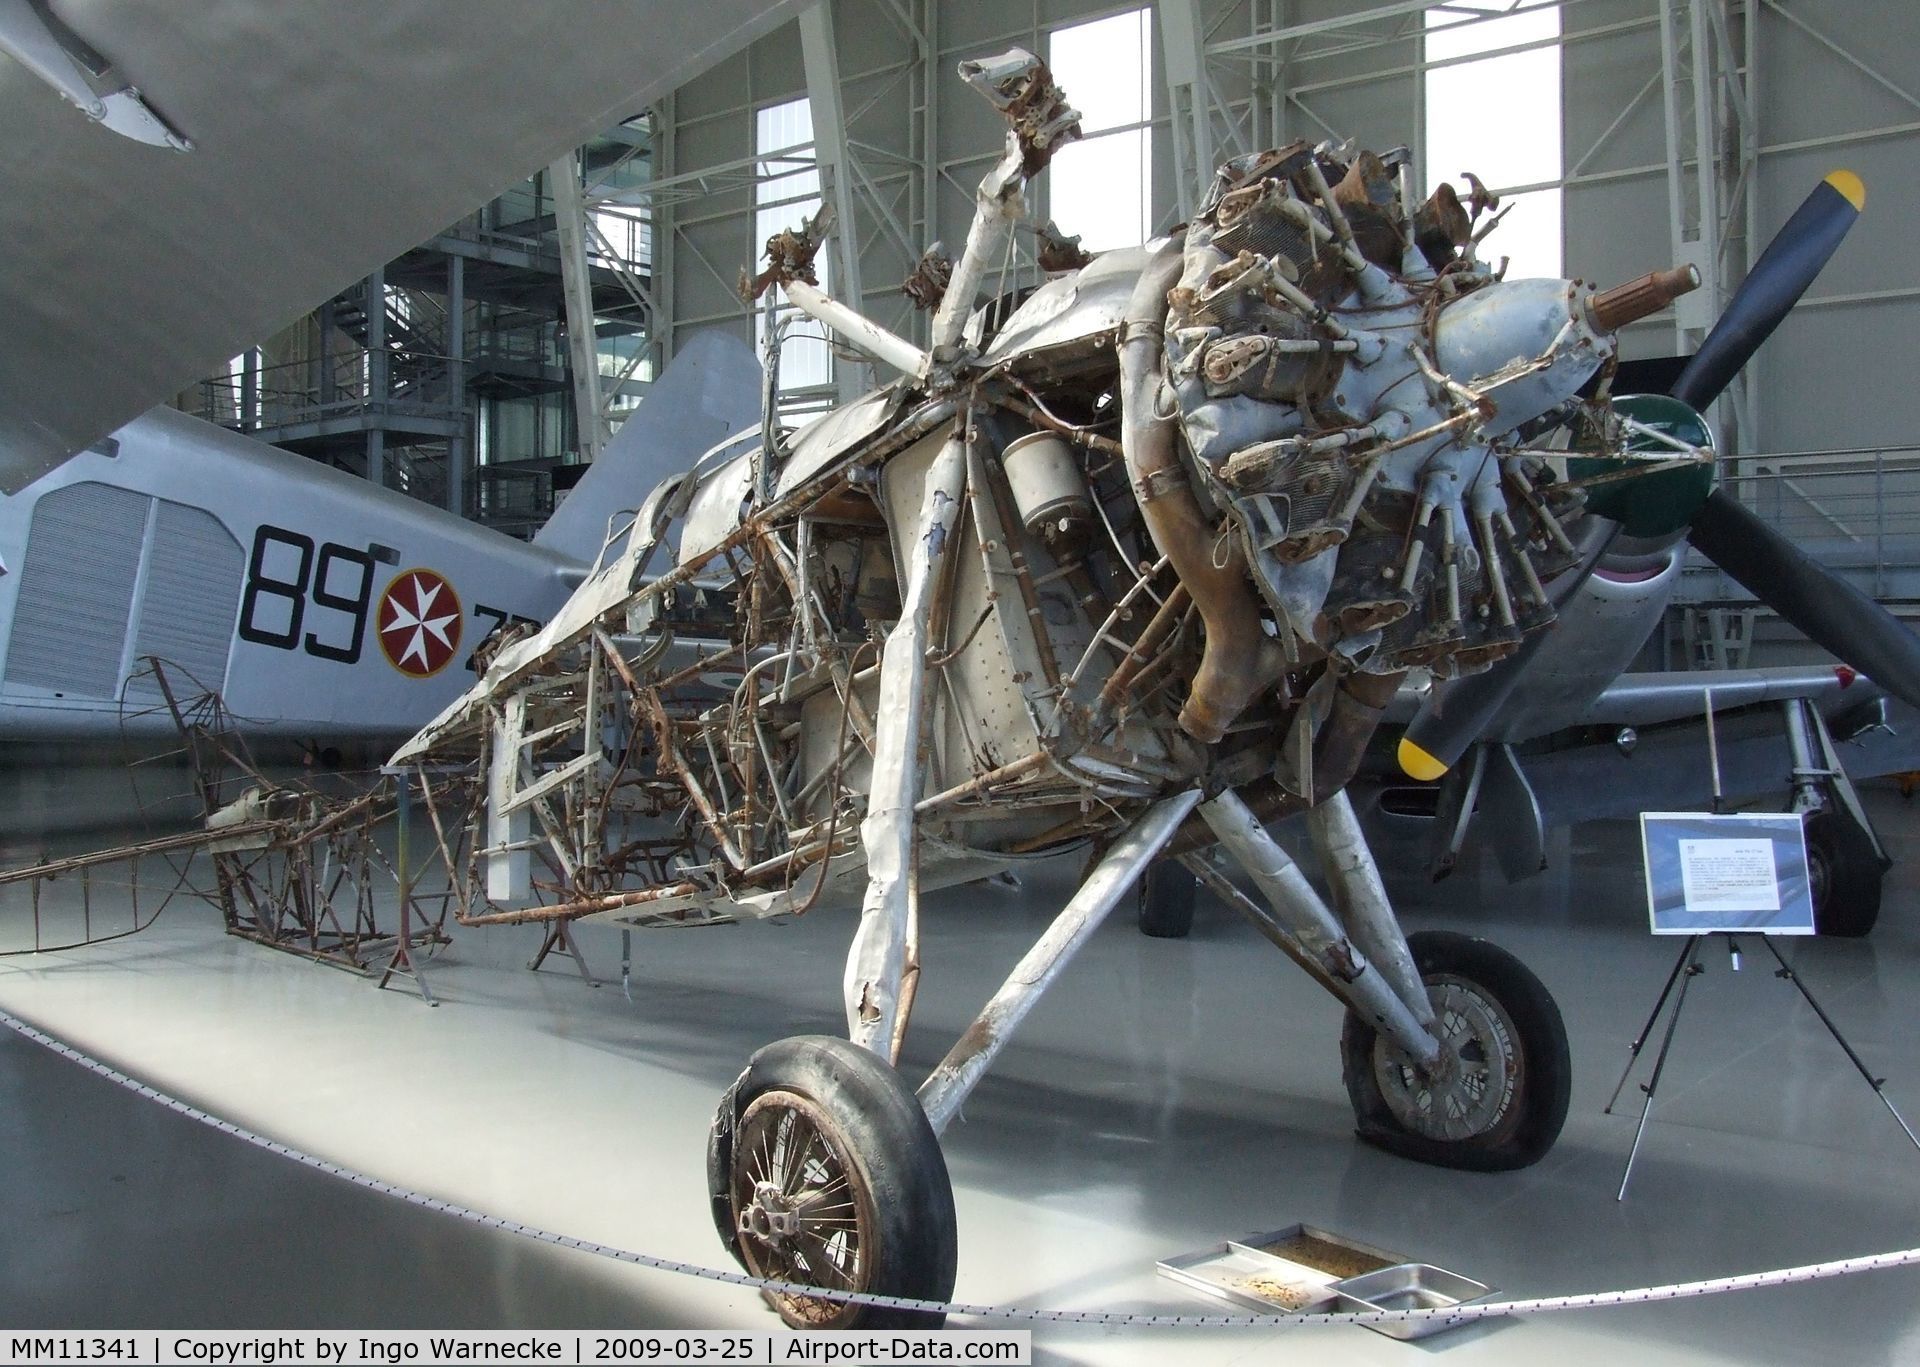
(328, 136)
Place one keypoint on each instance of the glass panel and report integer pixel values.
(1500, 118)
(1098, 187)
(786, 200)
(1103, 68)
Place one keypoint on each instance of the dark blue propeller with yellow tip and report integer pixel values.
(1831, 612)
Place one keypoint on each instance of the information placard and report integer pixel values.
(1743, 871)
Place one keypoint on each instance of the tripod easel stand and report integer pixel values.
(1688, 966)
(1685, 969)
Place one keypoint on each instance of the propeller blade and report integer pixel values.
(1449, 723)
(1773, 286)
(1454, 715)
(1829, 611)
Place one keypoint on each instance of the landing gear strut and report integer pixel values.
(825, 1170)
(1845, 862)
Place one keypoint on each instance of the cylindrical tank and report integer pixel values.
(1047, 484)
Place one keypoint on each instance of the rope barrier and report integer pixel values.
(1461, 1314)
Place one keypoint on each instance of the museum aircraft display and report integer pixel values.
(1130, 564)
(319, 606)
(1127, 566)
(157, 223)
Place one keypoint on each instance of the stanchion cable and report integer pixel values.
(1461, 1314)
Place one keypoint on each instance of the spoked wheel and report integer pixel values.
(823, 1170)
(1167, 893)
(1498, 1096)
(1845, 873)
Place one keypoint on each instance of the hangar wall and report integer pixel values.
(1814, 111)
(1814, 108)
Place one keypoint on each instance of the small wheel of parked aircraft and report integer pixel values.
(823, 1170)
(1167, 894)
(1499, 1096)
(1845, 872)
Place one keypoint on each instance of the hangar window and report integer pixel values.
(786, 192)
(1099, 187)
(620, 166)
(1493, 108)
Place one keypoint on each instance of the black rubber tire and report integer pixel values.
(912, 1247)
(1846, 873)
(1167, 894)
(1529, 1121)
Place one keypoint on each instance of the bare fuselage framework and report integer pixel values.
(1128, 564)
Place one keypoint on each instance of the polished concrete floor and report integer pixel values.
(1165, 1096)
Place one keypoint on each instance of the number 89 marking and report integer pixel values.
(328, 575)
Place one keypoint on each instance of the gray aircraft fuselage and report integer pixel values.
(318, 605)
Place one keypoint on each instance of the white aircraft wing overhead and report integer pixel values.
(327, 137)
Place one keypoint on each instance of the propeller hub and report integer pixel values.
(1656, 506)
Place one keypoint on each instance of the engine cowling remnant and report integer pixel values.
(1350, 385)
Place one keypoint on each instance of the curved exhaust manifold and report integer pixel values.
(1239, 658)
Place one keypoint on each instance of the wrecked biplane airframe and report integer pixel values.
(1131, 568)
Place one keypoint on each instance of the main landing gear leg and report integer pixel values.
(1453, 1053)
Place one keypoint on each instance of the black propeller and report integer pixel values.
(1785, 269)
(1826, 608)
(1830, 611)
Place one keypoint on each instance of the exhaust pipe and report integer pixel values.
(1238, 659)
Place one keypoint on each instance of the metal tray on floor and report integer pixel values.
(1250, 1273)
(1336, 1256)
(1410, 1286)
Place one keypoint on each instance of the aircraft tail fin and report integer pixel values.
(710, 390)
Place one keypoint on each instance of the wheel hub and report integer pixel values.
(1819, 874)
(1445, 1067)
(772, 1216)
(1468, 1091)
(801, 1210)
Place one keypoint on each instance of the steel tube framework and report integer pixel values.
(1299, 908)
(943, 1093)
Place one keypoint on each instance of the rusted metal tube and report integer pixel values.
(1006, 773)
(1262, 919)
(1358, 706)
(1151, 638)
(573, 911)
(1093, 441)
(1611, 310)
(186, 840)
(947, 1089)
(1265, 798)
(1238, 659)
(1299, 909)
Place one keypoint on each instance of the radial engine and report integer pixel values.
(1360, 397)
